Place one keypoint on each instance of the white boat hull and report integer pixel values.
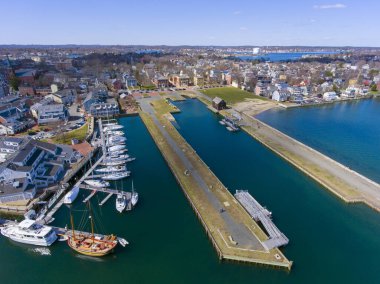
(71, 195)
(30, 241)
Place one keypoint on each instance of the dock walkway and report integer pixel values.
(259, 213)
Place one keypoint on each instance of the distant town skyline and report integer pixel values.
(167, 22)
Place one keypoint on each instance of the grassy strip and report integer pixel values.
(65, 138)
(230, 95)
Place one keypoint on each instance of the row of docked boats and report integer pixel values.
(115, 158)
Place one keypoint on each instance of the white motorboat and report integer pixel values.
(117, 133)
(130, 159)
(135, 196)
(111, 144)
(109, 124)
(30, 232)
(111, 169)
(116, 139)
(71, 195)
(114, 163)
(115, 143)
(117, 176)
(97, 183)
(121, 202)
(117, 152)
(113, 127)
(124, 156)
(116, 148)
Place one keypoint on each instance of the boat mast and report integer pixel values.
(92, 223)
(72, 224)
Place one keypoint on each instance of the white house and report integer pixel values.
(330, 96)
(280, 96)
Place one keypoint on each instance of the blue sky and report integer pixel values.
(195, 22)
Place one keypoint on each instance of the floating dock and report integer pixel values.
(261, 214)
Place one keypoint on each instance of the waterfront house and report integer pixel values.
(218, 103)
(280, 95)
(66, 97)
(32, 162)
(49, 113)
(330, 96)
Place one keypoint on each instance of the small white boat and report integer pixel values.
(125, 156)
(111, 169)
(130, 160)
(135, 196)
(116, 148)
(97, 183)
(114, 163)
(115, 143)
(30, 232)
(117, 152)
(121, 202)
(71, 195)
(117, 176)
(113, 127)
(117, 133)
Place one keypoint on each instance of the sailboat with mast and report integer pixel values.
(91, 244)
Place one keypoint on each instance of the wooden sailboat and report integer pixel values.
(91, 245)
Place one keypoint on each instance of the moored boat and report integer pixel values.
(97, 183)
(121, 202)
(71, 195)
(111, 169)
(30, 232)
(117, 176)
(89, 244)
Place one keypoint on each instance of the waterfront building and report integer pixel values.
(104, 109)
(66, 97)
(181, 80)
(280, 95)
(218, 103)
(49, 113)
(129, 80)
(330, 96)
(161, 81)
(31, 164)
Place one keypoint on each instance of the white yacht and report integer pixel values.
(113, 127)
(121, 202)
(114, 163)
(117, 152)
(111, 169)
(135, 196)
(97, 183)
(30, 232)
(116, 176)
(71, 195)
(117, 133)
(116, 157)
(116, 148)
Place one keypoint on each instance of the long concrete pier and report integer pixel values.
(233, 233)
(347, 184)
(342, 181)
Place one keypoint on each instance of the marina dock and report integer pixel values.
(261, 214)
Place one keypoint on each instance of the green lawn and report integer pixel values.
(230, 94)
(65, 138)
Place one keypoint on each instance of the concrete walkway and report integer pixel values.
(238, 231)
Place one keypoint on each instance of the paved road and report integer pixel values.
(238, 231)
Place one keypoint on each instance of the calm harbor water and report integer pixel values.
(330, 242)
(277, 57)
(348, 132)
